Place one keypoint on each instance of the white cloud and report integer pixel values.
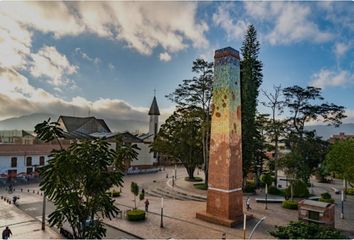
(85, 56)
(165, 57)
(328, 78)
(49, 63)
(234, 30)
(341, 49)
(18, 97)
(289, 22)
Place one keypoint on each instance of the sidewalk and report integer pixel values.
(22, 225)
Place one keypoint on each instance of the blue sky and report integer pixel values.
(61, 57)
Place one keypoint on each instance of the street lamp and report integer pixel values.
(44, 202)
(266, 196)
(342, 200)
(161, 222)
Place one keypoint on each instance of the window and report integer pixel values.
(29, 161)
(29, 170)
(41, 160)
(14, 162)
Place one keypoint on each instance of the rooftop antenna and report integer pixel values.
(154, 92)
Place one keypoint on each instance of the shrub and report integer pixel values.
(327, 200)
(201, 186)
(301, 230)
(326, 195)
(195, 179)
(275, 191)
(350, 191)
(299, 189)
(250, 187)
(290, 204)
(136, 215)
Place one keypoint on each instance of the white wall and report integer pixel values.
(5, 162)
(144, 157)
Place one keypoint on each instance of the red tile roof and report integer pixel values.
(27, 149)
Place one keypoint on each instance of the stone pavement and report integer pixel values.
(179, 216)
(22, 225)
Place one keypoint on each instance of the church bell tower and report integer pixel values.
(154, 118)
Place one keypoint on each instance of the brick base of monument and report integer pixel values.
(219, 220)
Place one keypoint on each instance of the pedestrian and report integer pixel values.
(143, 191)
(6, 233)
(248, 203)
(147, 205)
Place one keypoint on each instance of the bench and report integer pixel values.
(315, 198)
(270, 200)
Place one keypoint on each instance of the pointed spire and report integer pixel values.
(154, 109)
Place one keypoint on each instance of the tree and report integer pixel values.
(134, 188)
(197, 93)
(276, 126)
(251, 79)
(181, 138)
(303, 105)
(77, 179)
(305, 156)
(340, 159)
(307, 149)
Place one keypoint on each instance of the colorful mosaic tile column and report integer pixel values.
(224, 205)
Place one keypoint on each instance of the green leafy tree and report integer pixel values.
(77, 179)
(340, 159)
(304, 105)
(134, 188)
(251, 79)
(197, 93)
(180, 138)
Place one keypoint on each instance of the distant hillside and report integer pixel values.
(28, 122)
(326, 131)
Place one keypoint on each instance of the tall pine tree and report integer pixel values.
(251, 79)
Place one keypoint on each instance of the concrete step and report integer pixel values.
(181, 194)
(164, 194)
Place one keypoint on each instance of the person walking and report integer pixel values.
(147, 205)
(248, 204)
(6, 233)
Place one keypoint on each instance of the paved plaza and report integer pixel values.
(179, 219)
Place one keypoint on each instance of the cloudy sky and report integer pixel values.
(68, 57)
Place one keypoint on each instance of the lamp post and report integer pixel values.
(244, 225)
(161, 222)
(342, 210)
(175, 171)
(266, 196)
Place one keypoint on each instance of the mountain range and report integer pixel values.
(28, 122)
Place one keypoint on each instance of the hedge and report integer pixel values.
(201, 186)
(290, 204)
(350, 191)
(301, 230)
(326, 195)
(327, 200)
(195, 179)
(275, 191)
(136, 215)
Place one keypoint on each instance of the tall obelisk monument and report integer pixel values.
(225, 205)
